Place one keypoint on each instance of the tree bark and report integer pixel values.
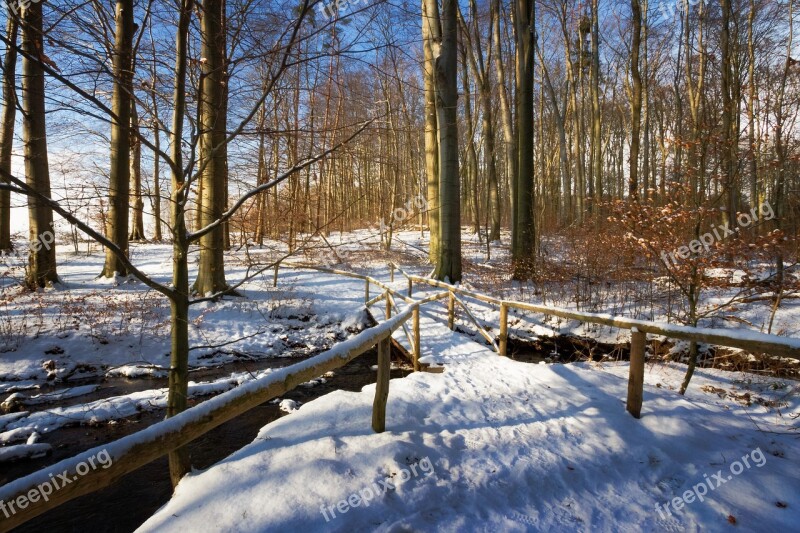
(524, 234)
(431, 26)
(120, 172)
(42, 256)
(212, 152)
(8, 113)
(445, 54)
(179, 461)
(137, 224)
(636, 101)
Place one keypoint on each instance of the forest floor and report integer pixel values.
(509, 444)
(493, 444)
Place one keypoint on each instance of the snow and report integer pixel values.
(24, 451)
(288, 406)
(512, 447)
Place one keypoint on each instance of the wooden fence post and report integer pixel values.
(503, 329)
(415, 327)
(410, 285)
(636, 375)
(391, 275)
(381, 387)
(451, 311)
(366, 291)
(275, 277)
(388, 306)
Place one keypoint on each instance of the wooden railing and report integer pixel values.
(138, 449)
(753, 342)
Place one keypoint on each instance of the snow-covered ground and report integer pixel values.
(489, 444)
(492, 444)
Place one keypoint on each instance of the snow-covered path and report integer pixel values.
(492, 444)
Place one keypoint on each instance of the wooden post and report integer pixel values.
(366, 291)
(381, 387)
(275, 277)
(410, 285)
(388, 306)
(636, 376)
(391, 275)
(503, 329)
(451, 311)
(415, 327)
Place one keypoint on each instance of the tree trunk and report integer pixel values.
(597, 132)
(120, 172)
(523, 238)
(636, 101)
(212, 155)
(8, 113)
(42, 256)
(137, 224)
(431, 24)
(445, 50)
(505, 107)
(179, 461)
(729, 110)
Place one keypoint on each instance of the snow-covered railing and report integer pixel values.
(750, 341)
(136, 450)
(389, 294)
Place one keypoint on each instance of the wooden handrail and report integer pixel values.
(136, 450)
(748, 340)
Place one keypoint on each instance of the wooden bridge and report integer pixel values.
(135, 450)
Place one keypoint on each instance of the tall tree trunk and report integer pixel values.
(212, 155)
(137, 224)
(751, 99)
(179, 461)
(42, 256)
(8, 113)
(156, 197)
(471, 152)
(430, 27)
(479, 70)
(120, 171)
(597, 133)
(636, 100)
(445, 55)
(506, 117)
(729, 110)
(566, 180)
(524, 235)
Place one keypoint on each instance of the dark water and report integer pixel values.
(126, 504)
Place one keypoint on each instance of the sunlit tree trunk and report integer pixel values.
(431, 26)
(42, 256)
(212, 152)
(137, 223)
(636, 100)
(8, 112)
(445, 56)
(119, 171)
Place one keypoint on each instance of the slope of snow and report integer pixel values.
(492, 444)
